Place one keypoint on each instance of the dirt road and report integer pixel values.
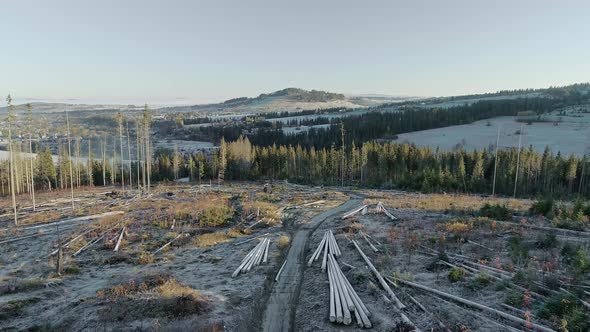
(280, 309)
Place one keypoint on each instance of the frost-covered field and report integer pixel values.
(299, 129)
(572, 135)
(185, 146)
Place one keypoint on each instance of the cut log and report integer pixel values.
(317, 252)
(266, 252)
(480, 245)
(370, 244)
(345, 308)
(250, 239)
(353, 212)
(280, 270)
(359, 305)
(332, 304)
(119, 240)
(381, 208)
(325, 259)
(385, 286)
(246, 260)
(167, 244)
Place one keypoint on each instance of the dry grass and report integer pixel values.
(267, 210)
(162, 285)
(238, 231)
(283, 242)
(211, 239)
(447, 202)
(145, 258)
(152, 296)
(40, 217)
(107, 222)
(172, 288)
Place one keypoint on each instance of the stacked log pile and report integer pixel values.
(256, 256)
(344, 301)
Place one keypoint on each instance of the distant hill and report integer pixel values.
(295, 99)
(289, 99)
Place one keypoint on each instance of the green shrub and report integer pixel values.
(547, 241)
(481, 280)
(215, 216)
(495, 211)
(580, 262)
(580, 224)
(514, 299)
(518, 250)
(543, 207)
(72, 269)
(456, 274)
(564, 307)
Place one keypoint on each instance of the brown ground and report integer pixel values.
(193, 288)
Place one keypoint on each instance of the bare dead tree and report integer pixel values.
(11, 157)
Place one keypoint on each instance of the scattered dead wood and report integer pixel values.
(120, 239)
(398, 304)
(369, 243)
(76, 219)
(168, 244)
(480, 245)
(351, 213)
(381, 209)
(280, 270)
(475, 305)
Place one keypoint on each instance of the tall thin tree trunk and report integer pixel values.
(104, 162)
(496, 163)
(120, 121)
(70, 158)
(518, 160)
(137, 152)
(129, 157)
(114, 162)
(11, 157)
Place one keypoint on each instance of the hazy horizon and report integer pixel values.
(198, 52)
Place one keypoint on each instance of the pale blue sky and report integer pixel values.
(204, 51)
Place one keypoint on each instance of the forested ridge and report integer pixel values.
(382, 124)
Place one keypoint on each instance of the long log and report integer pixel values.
(266, 252)
(348, 300)
(353, 212)
(370, 244)
(67, 244)
(346, 319)
(475, 305)
(385, 286)
(77, 219)
(250, 239)
(280, 270)
(317, 252)
(120, 239)
(332, 304)
(325, 259)
(167, 244)
(360, 310)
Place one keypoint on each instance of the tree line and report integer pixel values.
(24, 172)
